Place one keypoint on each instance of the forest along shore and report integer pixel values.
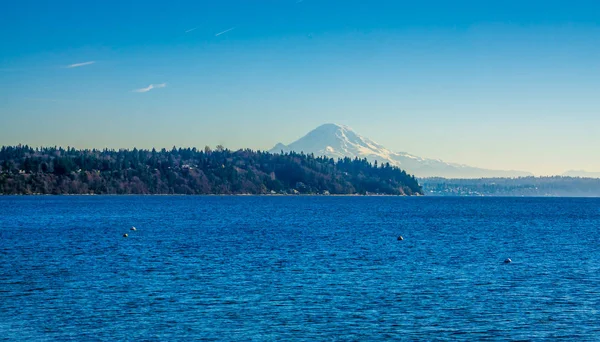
(53, 170)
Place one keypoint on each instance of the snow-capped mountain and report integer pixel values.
(337, 141)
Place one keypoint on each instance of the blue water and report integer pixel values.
(298, 268)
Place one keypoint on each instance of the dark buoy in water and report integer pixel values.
(125, 235)
(400, 238)
(507, 261)
(132, 228)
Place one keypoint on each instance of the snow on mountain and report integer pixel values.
(338, 141)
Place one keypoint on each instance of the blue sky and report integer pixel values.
(502, 84)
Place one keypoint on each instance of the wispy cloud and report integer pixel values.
(223, 32)
(41, 99)
(150, 87)
(190, 30)
(77, 65)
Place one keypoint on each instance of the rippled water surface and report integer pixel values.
(298, 268)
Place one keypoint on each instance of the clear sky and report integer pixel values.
(496, 84)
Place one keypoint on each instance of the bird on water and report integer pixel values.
(125, 235)
(132, 228)
(400, 238)
(507, 261)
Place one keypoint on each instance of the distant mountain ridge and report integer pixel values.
(581, 174)
(339, 141)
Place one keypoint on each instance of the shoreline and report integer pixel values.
(215, 195)
(278, 195)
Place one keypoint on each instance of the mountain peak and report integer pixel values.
(339, 141)
(332, 126)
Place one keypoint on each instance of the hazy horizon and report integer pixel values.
(508, 86)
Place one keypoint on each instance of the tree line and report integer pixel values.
(522, 186)
(57, 170)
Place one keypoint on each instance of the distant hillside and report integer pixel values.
(24, 170)
(338, 141)
(582, 174)
(525, 186)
